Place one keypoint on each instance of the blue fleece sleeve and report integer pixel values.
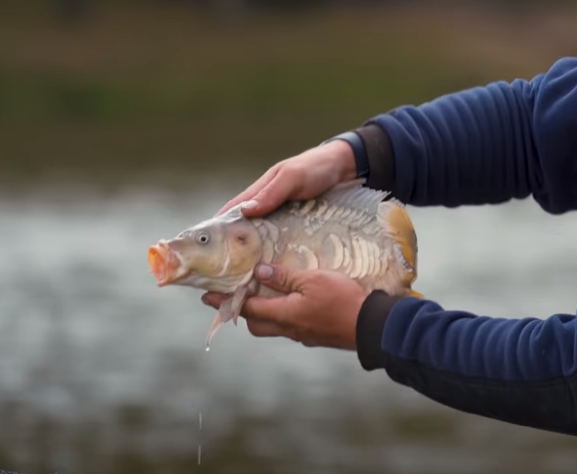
(487, 145)
(522, 371)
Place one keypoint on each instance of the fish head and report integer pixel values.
(218, 254)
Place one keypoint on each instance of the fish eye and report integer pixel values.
(202, 238)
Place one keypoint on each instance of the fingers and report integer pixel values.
(214, 299)
(249, 193)
(264, 328)
(280, 278)
(259, 308)
(258, 315)
(255, 315)
(273, 189)
(271, 196)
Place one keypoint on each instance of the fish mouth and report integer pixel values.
(164, 263)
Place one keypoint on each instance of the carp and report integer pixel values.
(350, 229)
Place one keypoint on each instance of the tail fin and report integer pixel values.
(398, 226)
(416, 294)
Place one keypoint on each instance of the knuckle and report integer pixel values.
(281, 165)
(289, 169)
(282, 278)
(297, 175)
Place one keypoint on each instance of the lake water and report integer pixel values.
(103, 372)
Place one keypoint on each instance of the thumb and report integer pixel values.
(279, 278)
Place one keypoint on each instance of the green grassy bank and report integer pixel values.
(131, 87)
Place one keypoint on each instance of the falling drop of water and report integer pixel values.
(199, 429)
(207, 348)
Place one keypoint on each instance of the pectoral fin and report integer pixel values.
(237, 300)
(216, 324)
(229, 309)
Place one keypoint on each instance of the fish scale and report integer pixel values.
(350, 229)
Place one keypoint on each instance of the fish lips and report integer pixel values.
(165, 263)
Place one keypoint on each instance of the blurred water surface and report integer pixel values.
(101, 371)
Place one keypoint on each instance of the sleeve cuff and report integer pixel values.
(380, 159)
(370, 326)
(373, 155)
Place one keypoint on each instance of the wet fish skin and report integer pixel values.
(349, 229)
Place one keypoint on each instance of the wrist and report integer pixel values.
(341, 159)
(350, 149)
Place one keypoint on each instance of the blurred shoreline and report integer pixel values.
(150, 88)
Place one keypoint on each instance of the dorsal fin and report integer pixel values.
(232, 215)
(352, 195)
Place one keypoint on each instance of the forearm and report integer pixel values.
(471, 147)
(519, 371)
(484, 145)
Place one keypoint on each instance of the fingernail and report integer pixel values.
(249, 204)
(264, 271)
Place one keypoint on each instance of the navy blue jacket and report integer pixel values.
(479, 146)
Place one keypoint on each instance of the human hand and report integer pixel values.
(319, 308)
(304, 176)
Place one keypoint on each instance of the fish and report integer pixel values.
(351, 229)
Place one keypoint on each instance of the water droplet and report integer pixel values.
(199, 454)
(207, 348)
(199, 421)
